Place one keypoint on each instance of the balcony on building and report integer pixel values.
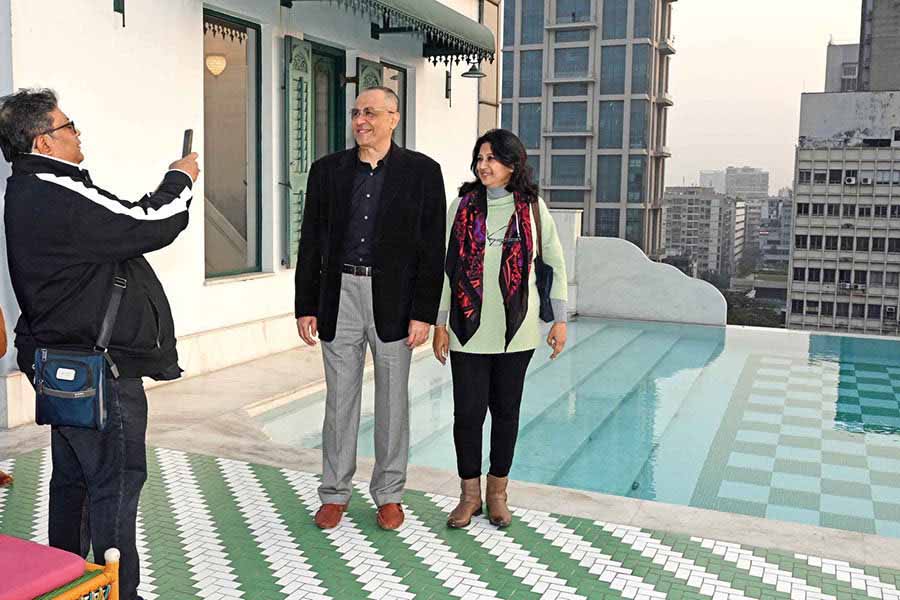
(667, 46)
(665, 99)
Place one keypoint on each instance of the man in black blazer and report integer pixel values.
(369, 271)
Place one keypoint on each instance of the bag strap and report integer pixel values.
(537, 222)
(112, 310)
(109, 318)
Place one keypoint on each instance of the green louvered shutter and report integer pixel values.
(369, 74)
(297, 140)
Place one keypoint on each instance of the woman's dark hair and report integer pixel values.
(509, 150)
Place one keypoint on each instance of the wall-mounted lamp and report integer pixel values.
(216, 63)
(119, 7)
(448, 87)
(474, 72)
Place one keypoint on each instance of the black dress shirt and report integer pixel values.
(359, 237)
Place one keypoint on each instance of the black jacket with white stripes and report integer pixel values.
(64, 237)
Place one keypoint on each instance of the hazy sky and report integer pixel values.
(737, 76)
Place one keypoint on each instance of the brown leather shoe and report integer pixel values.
(329, 515)
(390, 516)
(469, 503)
(498, 511)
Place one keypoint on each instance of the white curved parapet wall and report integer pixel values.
(617, 280)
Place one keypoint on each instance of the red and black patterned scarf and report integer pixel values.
(465, 265)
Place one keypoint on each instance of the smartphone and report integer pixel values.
(186, 144)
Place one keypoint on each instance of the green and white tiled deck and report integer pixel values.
(217, 528)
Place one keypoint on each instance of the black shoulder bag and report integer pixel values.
(543, 273)
(71, 386)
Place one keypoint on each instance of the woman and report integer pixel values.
(492, 302)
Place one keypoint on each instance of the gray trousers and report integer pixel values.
(344, 359)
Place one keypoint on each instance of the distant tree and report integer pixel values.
(719, 280)
(749, 261)
(748, 311)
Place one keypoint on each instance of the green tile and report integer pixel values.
(743, 475)
(172, 576)
(321, 556)
(847, 522)
(21, 497)
(846, 488)
(466, 547)
(886, 511)
(801, 421)
(800, 442)
(794, 498)
(798, 467)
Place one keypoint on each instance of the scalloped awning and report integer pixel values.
(448, 35)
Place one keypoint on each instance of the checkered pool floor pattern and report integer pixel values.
(219, 529)
(814, 443)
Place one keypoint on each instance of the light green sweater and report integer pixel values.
(490, 336)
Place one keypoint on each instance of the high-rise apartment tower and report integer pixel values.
(586, 86)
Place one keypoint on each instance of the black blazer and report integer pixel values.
(409, 242)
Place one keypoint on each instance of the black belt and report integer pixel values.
(358, 270)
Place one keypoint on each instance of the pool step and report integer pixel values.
(617, 449)
(546, 444)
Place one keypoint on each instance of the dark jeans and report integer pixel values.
(482, 382)
(97, 480)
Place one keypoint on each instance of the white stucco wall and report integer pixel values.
(133, 90)
(617, 280)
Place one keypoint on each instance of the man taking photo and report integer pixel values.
(66, 241)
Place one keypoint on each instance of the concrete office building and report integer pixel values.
(714, 180)
(879, 46)
(841, 67)
(585, 85)
(746, 182)
(732, 223)
(706, 226)
(845, 260)
(692, 225)
(775, 234)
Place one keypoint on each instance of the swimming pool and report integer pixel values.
(779, 424)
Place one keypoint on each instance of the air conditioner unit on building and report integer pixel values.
(846, 286)
(847, 226)
(890, 312)
(895, 137)
(859, 286)
(866, 181)
(850, 180)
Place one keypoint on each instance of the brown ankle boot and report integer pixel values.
(495, 495)
(469, 503)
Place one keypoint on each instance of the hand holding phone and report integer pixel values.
(187, 142)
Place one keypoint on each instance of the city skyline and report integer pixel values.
(762, 55)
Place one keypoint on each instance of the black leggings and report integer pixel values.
(482, 382)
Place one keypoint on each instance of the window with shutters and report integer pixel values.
(298, 144)
(314, 123)
(231, 145)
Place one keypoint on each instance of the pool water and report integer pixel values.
(779, 424)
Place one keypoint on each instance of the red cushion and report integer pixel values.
(28, 570)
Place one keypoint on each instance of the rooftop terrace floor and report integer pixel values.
(227, 513)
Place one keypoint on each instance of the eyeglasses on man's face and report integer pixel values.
(70, 125)
(368, 113)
